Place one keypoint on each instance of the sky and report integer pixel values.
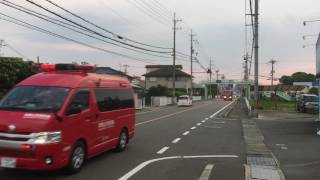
(218, 25)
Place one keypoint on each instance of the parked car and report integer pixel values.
(59, 119)
(184, 100)
(307, 103)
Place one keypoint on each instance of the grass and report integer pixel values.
(276, 104)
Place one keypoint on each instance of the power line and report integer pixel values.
(25, 10)
(33, 27)
(162, 6)
(101, 28)
(94, 32)
(153, 9)
(150, 15)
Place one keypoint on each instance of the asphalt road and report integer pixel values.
(170, 144)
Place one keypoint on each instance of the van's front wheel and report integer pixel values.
(123, 141)
(77, 158)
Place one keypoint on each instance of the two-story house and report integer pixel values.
(162, 75)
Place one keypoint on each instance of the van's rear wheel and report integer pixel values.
(123, 141)
(77, 158)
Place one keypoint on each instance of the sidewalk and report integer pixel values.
(261, 163)
(292, 138)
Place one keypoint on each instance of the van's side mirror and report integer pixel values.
(73, 110)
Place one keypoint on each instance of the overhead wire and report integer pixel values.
(101, 28)
(94, 32)
(25, 10)
(33, 27)
(150, 15)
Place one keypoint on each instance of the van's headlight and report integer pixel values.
(46, 137)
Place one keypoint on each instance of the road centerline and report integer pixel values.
(162, 150)
(176, 140)
(170, 115)
(186, 133)
(205, 175)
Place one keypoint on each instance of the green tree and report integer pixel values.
(158, 91)
(313, 91)
(297, 77)
(12, 71)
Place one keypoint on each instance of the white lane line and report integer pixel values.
(219, 122)
(207, 119)
(216, 113)
(203, 121)
(146, 163)
(176, 140)
(169, 115)
(213, 127)
(205, 175)
(199, 124)
(193, 128)
(186, 133)
(284, 148)
(164, 149)
(280, 145)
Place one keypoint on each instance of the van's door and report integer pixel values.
(80, 118)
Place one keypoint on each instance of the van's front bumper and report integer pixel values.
(34, 158)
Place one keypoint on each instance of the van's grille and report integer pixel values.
(15, 136)
(16, 153)
(13, 139)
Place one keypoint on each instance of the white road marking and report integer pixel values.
(146, 163)
(198, 124)
(176, 140)
(186, 133)
(193, 128)
(169, 115)
(213, 127)
(284, 148)
(205, 175)
(207, 119)
(216, 113)
(219, 122)
(164, 149)
(280, 144)
(203, 121)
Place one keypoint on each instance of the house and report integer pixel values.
(110, 71)
(162, 75)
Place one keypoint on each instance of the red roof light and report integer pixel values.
(66, 67)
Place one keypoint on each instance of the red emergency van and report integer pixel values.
(61, 117)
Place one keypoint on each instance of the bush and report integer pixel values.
(12, 71)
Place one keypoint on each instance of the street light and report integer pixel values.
(309, 35)
(310, 21)
(308, 45)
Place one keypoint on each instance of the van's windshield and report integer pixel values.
(34, 99)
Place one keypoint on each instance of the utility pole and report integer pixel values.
(246, 76)
(126, 68)
(1, 45)
(256, 53)
(210, 73)
(175, 21)
(191, 62)
(217, 73)
(272, 71)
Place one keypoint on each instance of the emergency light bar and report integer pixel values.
(66, 67)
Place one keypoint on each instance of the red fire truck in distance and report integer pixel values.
(61, 117)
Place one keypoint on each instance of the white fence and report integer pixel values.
(161, 101)
(196, 98)
(139, 103)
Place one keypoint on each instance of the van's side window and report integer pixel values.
(80, 100)
(114, 99)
